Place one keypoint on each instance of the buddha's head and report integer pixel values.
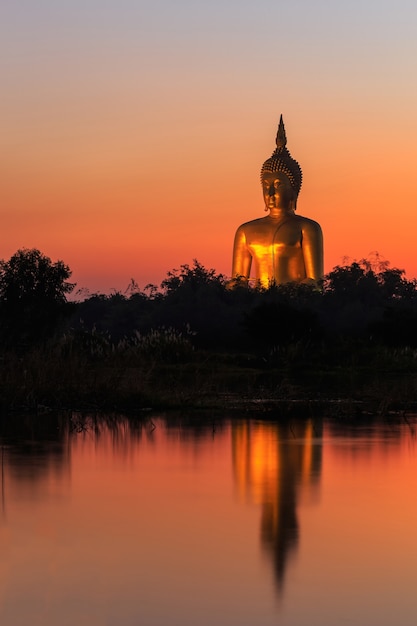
(281, 175)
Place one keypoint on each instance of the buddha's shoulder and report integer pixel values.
(265, 223)
(260, 221)
(306, 222)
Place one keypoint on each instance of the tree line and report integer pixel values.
(360, 302)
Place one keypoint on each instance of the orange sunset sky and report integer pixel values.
(133, 132)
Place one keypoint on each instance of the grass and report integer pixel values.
(165, 372)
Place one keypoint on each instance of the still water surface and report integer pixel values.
(115, 523)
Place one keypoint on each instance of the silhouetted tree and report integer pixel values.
(191, 277)
(196, 297)
(356, 296)
(33, 296)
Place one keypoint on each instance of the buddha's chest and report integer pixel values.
(269, 235)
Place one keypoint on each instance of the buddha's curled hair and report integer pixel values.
(282, 161)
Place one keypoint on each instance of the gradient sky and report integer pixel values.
(133, 132)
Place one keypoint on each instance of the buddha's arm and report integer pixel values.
(313, 250)
(242, 259)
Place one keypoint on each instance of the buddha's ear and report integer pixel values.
(293, 204)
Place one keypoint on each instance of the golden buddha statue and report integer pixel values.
(282, 247)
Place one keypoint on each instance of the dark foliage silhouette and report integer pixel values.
(33, 296)
(192, 337)
(364, 300)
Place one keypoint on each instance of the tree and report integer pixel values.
(33, 295)
(191, 278)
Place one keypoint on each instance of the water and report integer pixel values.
(232, 523)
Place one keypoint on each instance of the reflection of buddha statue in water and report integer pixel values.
(282, 247)
(276, 466)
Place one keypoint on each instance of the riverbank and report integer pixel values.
(307, 381)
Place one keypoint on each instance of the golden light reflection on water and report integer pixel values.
(117, 522)
(272, 464)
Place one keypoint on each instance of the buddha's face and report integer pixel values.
(278, 191)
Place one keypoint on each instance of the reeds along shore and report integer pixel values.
(192, 342)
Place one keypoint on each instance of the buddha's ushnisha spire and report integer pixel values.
(281, 139)
(282, 161)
